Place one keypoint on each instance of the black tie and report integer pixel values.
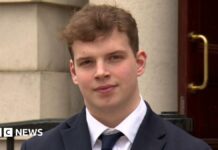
(108, 141)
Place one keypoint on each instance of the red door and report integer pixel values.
(199, 17)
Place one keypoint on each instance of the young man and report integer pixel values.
(106, 63)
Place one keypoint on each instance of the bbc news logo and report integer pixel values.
(10, 132)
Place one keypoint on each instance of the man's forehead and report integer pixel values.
(100, 36)
(104, 44)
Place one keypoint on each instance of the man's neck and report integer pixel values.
(113, 117)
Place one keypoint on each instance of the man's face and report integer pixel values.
(106, 72)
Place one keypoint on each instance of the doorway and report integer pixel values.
(198, 66)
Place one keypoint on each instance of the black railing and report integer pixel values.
(46, 124)
(178, 120)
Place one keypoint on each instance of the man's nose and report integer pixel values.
(101, 70)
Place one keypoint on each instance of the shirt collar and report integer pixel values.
(96, 128)
(132, 121)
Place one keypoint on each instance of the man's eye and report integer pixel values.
(85, 63)
(116, 57)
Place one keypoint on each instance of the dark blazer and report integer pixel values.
(154, 134)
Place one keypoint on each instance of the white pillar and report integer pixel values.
(34, 62)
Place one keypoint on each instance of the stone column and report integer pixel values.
(34, 77)
(34, 61)
(158, 32)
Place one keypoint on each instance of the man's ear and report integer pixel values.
(141, 58)
(73, 72)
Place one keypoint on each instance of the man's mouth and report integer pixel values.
(105, 88)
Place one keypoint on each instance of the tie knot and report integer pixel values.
(108, 141)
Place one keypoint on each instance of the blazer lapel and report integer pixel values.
(151, 133)
(150, 136)
(77, 136)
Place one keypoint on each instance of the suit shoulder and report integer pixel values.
(49, 139)
(180, 139)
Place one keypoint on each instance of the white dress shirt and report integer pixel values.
(129, 127)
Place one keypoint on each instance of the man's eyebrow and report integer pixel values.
(117, 52)
(79, 59)
(82, 58)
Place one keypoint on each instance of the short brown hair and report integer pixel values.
(93, 21)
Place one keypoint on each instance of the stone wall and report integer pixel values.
(34, 77)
